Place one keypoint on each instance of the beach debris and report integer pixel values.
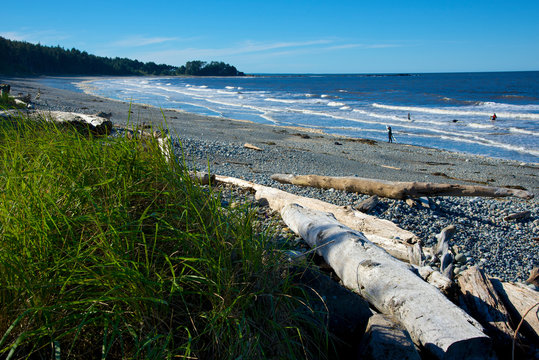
(534, 277)
(519, 299)
(411, 203)
(397, 189)
(104, 114)
(385, 339)
(432, 320)
(5, 89)
(202, 178)
(482, 302)
(518, 216)
(416, 255)
(368, 205)
(83, 122)
(391, 167)
(252, 147)
(443, 239)
(381, 232)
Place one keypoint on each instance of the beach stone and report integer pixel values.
(460, 258)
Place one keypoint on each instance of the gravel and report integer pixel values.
(505, 249)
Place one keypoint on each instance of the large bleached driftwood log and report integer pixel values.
(482, 301)
(432, 320)
(381, 232)
(397, 189)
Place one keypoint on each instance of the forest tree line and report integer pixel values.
(23, 58)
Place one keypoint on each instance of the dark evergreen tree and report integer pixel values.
(23, 58)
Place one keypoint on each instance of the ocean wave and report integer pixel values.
(481, 126)
(285, 101)
(455, 111)
(523, 131)
(335, 103)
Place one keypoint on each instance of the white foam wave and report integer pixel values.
(522, 131)
(336, 103)
(455, 111)
(481, 126)
(286, 101)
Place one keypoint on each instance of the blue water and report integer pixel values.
(447, 111)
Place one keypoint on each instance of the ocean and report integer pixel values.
(446, 111)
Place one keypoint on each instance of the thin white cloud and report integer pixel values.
(136, 41)
(363, 46)
(248, 47)
(48, 37)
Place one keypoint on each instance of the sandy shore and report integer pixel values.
(300, 150)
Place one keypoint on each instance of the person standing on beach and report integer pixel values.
(389, 134)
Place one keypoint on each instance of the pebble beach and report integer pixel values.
(507, 249)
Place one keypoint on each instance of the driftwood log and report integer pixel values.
(518, 299)
(384, 233)
(433, 321)
(384, 339)
(367, 205)
(482, 302)
(534, 277)
(397, 189)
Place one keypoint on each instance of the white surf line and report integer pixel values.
(447, 111)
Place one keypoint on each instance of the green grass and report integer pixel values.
(109, 251)
(8, 102)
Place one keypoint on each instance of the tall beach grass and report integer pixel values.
(108, 250)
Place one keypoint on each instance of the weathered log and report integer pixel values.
(432, 320)
(519, 215)
(416, 255)
(397, 189)
(367, 205)
(518, 299)
(443, 239)
(534, 277)
(441, 282)
(385, 339)
(483, 303)
(435, 278)
(383, 232)
(93, 123)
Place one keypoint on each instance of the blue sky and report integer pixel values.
(361, 36)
